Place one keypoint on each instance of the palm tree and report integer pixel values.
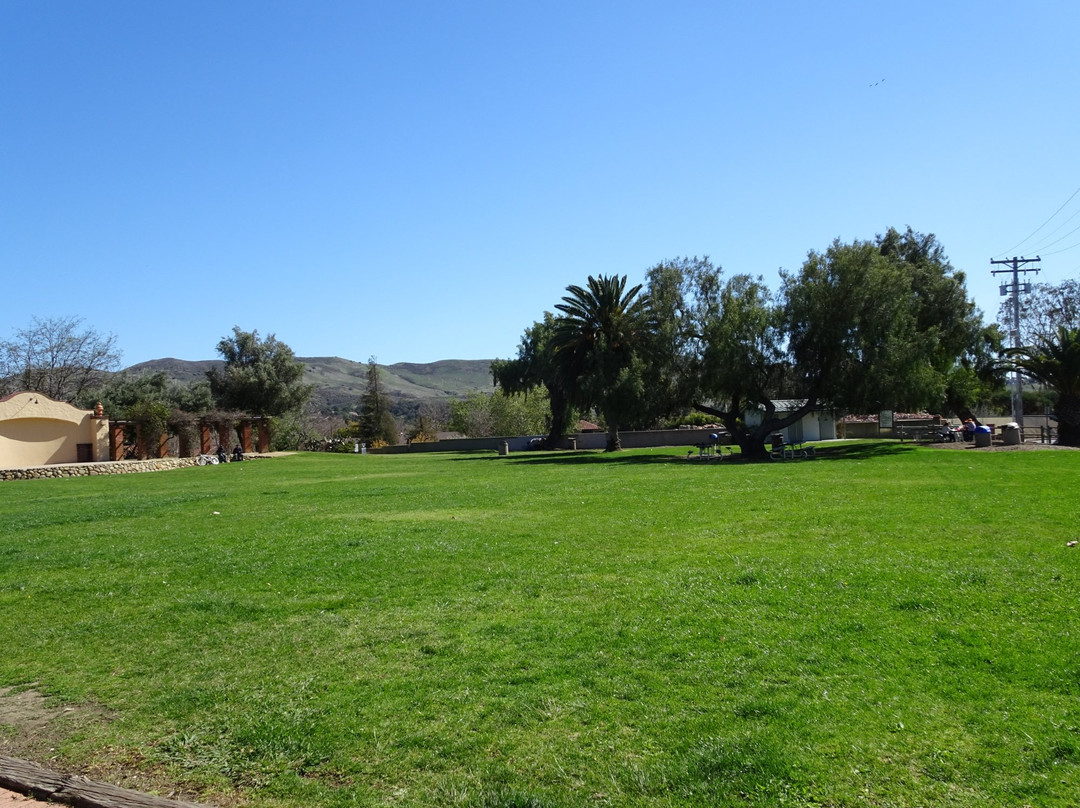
(1055, 361)
(596, 347)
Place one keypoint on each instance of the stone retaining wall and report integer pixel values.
(88, 469)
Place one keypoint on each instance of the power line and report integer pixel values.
(1043, 244)
(1041, 226)
(1065, 249)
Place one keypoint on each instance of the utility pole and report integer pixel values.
(1015, 288)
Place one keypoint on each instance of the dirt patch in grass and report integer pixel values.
(26, 709)
(32, 728)
(1001, 447)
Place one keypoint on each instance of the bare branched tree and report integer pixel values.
(1048, 308)
(56, 356)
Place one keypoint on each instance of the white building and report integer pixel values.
(815, 425)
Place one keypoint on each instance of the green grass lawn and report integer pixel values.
(884, 626)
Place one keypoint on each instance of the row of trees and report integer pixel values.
(861, 327)
(68, 361)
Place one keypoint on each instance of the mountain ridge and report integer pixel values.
(339, 382)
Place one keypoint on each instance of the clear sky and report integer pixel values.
(421, 180)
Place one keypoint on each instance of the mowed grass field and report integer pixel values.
(884, 626)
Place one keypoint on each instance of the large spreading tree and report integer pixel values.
(861, 327)
(259, 377)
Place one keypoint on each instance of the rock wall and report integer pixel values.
(89, 469)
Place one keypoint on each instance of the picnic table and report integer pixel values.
(797, 450)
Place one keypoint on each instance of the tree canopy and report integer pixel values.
(123, 394)
(482, 414)
(260, 376)
(860, 327)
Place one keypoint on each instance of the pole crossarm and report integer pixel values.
(1015, 264)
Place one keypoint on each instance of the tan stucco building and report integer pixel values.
(37, 431)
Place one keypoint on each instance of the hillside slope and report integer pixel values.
(340, 382)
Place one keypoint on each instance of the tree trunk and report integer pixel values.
(752, 443)
(613, 442)
(1068, 413)
(753, 448)
(560, 408)
(752, 440)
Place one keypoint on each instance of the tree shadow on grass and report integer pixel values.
(572, 458)
(856, 451)
(862, 451)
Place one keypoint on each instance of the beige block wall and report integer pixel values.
(37, 431)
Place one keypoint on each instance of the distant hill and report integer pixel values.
(340, 382)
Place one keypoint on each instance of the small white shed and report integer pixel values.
(814, 425)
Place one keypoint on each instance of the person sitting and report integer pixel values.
(222, 455)
(237, 453)
(969, 430)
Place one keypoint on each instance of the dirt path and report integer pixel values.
(9, 799)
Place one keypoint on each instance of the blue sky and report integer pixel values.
(421, 180)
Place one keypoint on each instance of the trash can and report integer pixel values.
(572, 443)
(982, 436)
(1010, 434)
(777, 440)
(504, 448)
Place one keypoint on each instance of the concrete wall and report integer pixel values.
(37, 431)
(870, 429)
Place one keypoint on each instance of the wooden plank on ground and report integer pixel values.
(28, 778)
(80, 792)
